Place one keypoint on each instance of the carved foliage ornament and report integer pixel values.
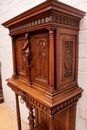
(42, 57)
(68, 58)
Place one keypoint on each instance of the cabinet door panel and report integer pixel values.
(40, 57)
(22, 67)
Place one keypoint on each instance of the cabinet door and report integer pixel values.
(40, 58)
(22, 68)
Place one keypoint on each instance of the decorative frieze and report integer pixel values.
(65, 104)
(57, 18)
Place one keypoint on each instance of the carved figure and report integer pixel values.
(27, 54)
(26, 50)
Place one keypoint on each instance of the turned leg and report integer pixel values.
(18, 112)
(31, 116)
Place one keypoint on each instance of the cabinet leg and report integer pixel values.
(31, 117)
(18, 112)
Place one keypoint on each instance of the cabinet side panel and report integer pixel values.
(66, 47)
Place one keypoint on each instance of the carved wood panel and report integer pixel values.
(67, 60)
(42, 119)
(61, 120)
(40, 57)
(66, 54)
(22, 66)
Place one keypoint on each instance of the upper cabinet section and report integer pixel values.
(51, 12)
(45, 45)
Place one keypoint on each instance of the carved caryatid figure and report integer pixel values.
(27, 54)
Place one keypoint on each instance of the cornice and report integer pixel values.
(48, 18)
(44, 7)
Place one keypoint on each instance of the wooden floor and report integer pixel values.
(8, 119)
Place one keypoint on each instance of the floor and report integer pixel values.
(8, 119)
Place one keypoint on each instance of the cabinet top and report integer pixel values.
(45, 6)
(46, 12)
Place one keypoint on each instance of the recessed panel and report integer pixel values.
(67, 59)
(22, 65)
(40, 58)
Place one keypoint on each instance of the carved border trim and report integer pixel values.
(57, 18)
(65, 104)
(28, 98)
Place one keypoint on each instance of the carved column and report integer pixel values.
(14, 57)
(31, 116)
(51, 58)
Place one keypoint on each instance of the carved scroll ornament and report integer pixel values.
(68, 58)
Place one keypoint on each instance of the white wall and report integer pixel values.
(11, 8)
(80, 4)
(82, 76)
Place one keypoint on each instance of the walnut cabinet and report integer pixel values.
(45, 64)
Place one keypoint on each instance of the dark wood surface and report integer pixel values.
(1, 91)
(45, 64)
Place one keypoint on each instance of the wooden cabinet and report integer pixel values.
(45, 64)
